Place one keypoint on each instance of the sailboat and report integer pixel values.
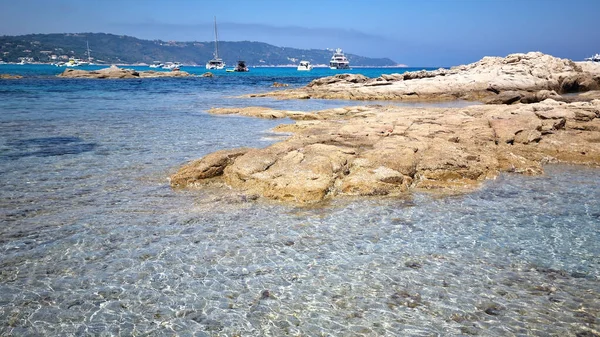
(216, 62)
(89, 60)
(88, 53)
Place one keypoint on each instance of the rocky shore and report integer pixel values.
(375, 150)
(10, 77)
(115, 72)
(524, 78)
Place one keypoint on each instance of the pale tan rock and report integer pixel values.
(210, 166)
(261, 112)
(531, 77)
(114, 72)
(10, 77)
(389, 150)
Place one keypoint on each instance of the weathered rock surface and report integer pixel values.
(114, 72)
(9, 77)
(261, 112)
(210, 166)
(527, 78)
(390, 150)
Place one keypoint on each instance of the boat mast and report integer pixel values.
(88, 51)
(216, 40)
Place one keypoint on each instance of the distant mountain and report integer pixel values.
(109, 49)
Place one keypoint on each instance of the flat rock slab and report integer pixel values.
(388, 150)
(10, 77)
(114, 72)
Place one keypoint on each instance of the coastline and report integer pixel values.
(96, 241)
(384, 150)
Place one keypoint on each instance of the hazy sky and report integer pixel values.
(415, 32)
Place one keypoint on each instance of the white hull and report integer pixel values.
(305, 66)
(339, 66)
(595, 58)
(215, 67)
(339, 60)
(216, 63)
(171, 66)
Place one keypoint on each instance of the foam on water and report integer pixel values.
(93, 241)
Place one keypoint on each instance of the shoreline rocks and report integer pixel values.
(526, 78)
(532, 117)
(388, 150)
(10, 77)
(114, 72)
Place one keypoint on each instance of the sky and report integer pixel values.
(428, 33)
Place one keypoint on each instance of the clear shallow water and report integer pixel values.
(94, 242)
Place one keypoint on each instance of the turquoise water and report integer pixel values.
(94, 242)
(35, 70)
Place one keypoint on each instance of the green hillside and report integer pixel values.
(109, 49)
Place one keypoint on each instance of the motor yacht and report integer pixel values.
(339, 60)
(305, 66)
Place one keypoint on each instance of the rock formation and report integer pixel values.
(115, 72)
(390, 150)
(10, 77)
(525, 78)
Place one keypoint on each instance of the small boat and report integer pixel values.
(305, 66)
(171, 66)
(75, 62)
(230, 70)
(157, 64)
(241, 66)
(89, 55)
(339, 60)
(216, 62)
(594, 58)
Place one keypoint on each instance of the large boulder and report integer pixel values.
(207, 167)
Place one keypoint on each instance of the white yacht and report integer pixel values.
(171, 66)
(339, 60)
(595, 58)
(157, 64)
(305, 66)
(216, 62)
(75, 62)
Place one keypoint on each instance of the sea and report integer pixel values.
(94, 241)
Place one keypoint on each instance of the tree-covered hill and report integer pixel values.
(109, 49)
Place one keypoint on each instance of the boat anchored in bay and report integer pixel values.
(216, 62)
(339, 60)
(305, 66)
(594, 58)
(241, 66)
